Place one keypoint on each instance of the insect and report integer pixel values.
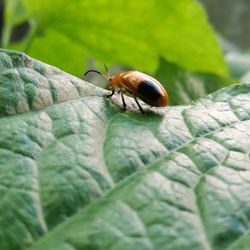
(137, 84)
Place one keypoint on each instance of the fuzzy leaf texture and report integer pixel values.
(78, 173)
(113, 31)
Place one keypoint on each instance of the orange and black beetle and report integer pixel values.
(137, 84)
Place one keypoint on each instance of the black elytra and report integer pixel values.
(149, 90)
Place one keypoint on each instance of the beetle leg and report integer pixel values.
(110, 95)
(138, 104)
(123, 100)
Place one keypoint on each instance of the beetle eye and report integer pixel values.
(110, 79)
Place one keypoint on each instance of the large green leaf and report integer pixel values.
(82, 174)
(135, 33)
(27, 84)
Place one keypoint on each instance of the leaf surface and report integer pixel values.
(78, 173)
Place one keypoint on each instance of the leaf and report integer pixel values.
(27, 84)
(184, 87)
(81, 174)
(242, 244)
(14, 14)
(133, 33)
(238, 63)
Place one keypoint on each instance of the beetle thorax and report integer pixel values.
(116, 81)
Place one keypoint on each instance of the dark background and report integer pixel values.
(232, 19)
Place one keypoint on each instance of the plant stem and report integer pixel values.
(5, 36)
(30, 38)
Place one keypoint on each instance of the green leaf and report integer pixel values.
(184, 87)
(14, 14)
(133, 33)
(27, 84)
(242, 244)
(82, 174)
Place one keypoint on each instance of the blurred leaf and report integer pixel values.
(242, 244)
(183, 87)
(226, 45)
(15, 11)
(81, 174)
(133, 33)
(237, 60)
(14, 14)
(246, 78)
(238, 63)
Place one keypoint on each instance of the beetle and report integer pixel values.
(138, 84)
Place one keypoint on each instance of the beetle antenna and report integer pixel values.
(108, 77)
(107, 72)
(92, 70)
(98, 72)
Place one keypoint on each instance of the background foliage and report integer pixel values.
(133, 33)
